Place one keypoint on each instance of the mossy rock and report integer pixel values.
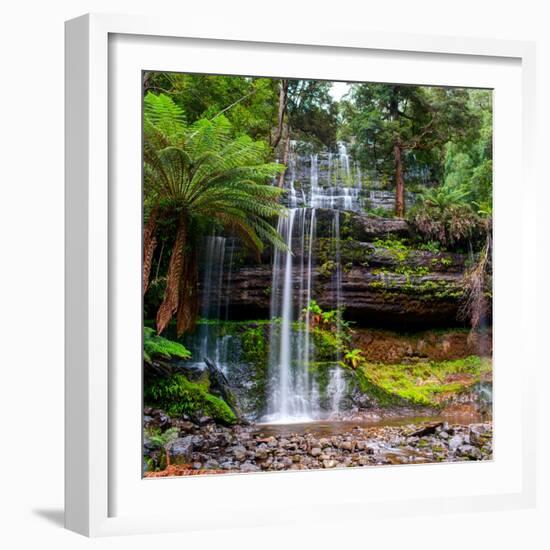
(157, 347)
(177, 395)
(429, 384)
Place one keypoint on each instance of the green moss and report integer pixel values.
(395, 247)
(327, 268)
(411, 282)
(427, 384)
(177, 395)
(254, 339)
(351, 251)
(155, 346)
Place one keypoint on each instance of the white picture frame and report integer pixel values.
(104, 489)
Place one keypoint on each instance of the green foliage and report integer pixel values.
(396, 247)
(327, 268)
(160, 439)
(177, 395)
(430, 246)
(330, 332)
(203, 169)
(420, 119)
(314, 308)
(312, 114)
(445, 215)
(158, 347)
(468, 163)
(445, 196)
(380, 212)
(354, 357)
(250, 104)
(254, 341)
(427, 384)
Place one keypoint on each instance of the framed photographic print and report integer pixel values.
(289, 263)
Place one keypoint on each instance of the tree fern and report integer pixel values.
(206, 173)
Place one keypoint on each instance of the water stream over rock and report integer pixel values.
(293, 393)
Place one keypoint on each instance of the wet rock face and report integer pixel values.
(398, 301)
(366, 228)
(244, 449)
(385, 281)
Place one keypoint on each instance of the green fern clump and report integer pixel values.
(155, 346)
(177, 395)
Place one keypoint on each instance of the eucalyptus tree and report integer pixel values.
(200, 174)
(391, 121)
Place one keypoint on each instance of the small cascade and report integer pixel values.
(229, 277)
(217, 272)
(336, 390)
(290, 392)
(344, 159)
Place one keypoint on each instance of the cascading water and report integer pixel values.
(212, 284)
(215, 281)
(293, 394)
(336, 390)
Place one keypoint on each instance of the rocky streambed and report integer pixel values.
(210, 448)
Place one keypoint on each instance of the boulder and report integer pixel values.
(316, 451)
(469, 451)
(181, 450)
(156, 419)
(455, 442)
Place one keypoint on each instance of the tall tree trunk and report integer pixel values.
(149, 245)
(283, 102)
(285, 156)
(171, 300)
(399, 181)
(188, 307)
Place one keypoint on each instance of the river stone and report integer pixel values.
(181, 450)
(469, 451)
(156, 418)
(329, 463)
(346, 445)
(262, 451)
(316, 451)
(186, 426)
(239, 453)
(478, 435)
(455, 442)
(247, 467)
(204, 420)
(147, 420)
